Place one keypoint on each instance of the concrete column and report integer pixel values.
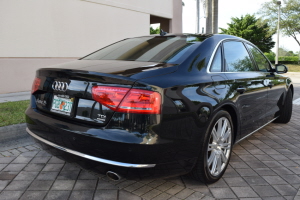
(176, 21)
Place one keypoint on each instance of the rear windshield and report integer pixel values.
(147, 49)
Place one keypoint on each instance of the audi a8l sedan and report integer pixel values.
(158, 106)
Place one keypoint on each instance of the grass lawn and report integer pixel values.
(293, 68)
(13, 112)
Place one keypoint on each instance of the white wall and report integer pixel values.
(17, 74)
(40, 33)
(162, 8)
(72, 28)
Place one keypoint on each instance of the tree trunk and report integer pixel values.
(198, 15)
(208, 16)
(215, 16)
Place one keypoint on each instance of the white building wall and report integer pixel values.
(72, 28)
(40, 33)
(162, 8)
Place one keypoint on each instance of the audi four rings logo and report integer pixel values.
(60, 86)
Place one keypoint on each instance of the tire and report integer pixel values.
(285, 112)
(215, 149)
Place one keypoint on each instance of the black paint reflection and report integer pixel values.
(93, 111)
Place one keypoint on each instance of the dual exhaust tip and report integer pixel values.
(113, 176)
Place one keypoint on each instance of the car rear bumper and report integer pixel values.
(126, 170)
(125, 153)
(93, 158)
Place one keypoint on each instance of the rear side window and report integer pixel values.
(237, 58)
(217, 61)
(262, 63)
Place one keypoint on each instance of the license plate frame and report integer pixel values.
(62, 105)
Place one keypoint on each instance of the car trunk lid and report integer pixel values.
(67, 92)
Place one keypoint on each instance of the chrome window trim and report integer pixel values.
(241, 72)
(110, 162)
(212, 57)
(215, 50)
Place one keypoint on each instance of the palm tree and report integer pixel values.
(208, 6)
(215, 16)
(212, 15)
(198, 16)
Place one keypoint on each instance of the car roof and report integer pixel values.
(223, 36)
(204, 36)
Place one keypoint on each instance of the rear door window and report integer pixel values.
(237, 58)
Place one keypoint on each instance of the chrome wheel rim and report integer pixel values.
(219, 146)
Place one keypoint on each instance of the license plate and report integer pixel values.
(62, 105)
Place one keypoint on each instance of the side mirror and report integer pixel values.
(281, 69)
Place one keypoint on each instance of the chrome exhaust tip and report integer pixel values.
(113, 176)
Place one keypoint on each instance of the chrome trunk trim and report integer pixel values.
(110, 162)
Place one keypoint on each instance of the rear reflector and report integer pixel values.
(35, 85)
(128, 100)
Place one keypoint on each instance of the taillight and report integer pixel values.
(128, 100)
(109, 96)
(35, 85)
(141, 101)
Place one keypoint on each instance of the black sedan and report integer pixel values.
(158, 105)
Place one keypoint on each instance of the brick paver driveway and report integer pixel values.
(264, 166)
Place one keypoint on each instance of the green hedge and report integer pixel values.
(288, 58)
(283, 59)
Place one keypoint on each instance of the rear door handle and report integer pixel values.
(241, 90)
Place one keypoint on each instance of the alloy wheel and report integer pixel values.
(219, 146)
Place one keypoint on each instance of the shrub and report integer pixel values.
(282, 59)
(288, 58)
(270, 56)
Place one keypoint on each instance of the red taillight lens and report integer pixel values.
(109, 96)
(35, 85)
(128, 100)
(141, 101)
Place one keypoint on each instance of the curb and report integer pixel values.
(13, 132)
(13, 137)
(16, 96)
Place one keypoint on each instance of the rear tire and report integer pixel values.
(215, 149)
(286, 109)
